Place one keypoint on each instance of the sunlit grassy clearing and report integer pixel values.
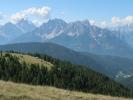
(32, 60)
(13, 91)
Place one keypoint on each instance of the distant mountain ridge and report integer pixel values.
(109, 65)
(124, 32)
(11, 31)
(25, 25)
(79, 35)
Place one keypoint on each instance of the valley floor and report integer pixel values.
(13, 91)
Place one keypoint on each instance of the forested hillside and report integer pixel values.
(108, 65)
(62, 75)
(128, 82)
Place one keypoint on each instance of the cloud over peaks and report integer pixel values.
(33, 13)
(114, 22)
(122, 21)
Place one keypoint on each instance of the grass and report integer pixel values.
(32, 60)
(13, 91)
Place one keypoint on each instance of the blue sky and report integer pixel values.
(71, 10)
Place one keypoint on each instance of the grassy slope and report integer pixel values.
(13, 91)
(32, 60)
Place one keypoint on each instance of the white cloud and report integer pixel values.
(104, 24)
(101, 24)
(115, 20)
(122, 21)
(42, 12)
(18, 16)
(92, 22)
(37, 22)
(33, 13)
(128, 20)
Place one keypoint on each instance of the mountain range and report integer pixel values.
(80, 36)
(10, 31)
(25, 25)
(124, 32)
